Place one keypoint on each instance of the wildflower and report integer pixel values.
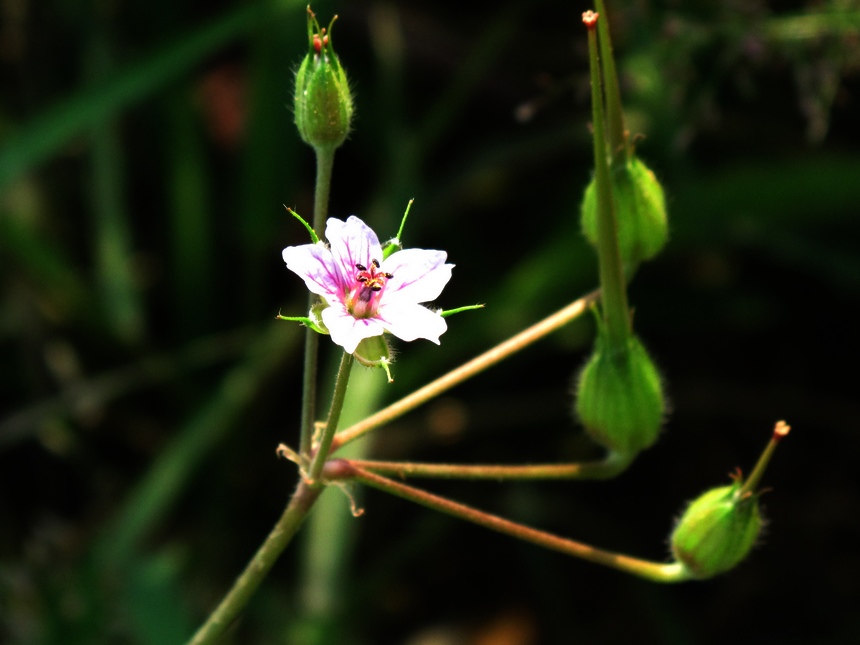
(367, 293)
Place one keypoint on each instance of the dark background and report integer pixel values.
(145, 152)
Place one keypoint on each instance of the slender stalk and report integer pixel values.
(322, 190)
(246, 584)
(654, 571)
(467, 371)
(751, 484)
(333, 418)
(614, 293)
(309, 389)
(619, 143)
(611, 466)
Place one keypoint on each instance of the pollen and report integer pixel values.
(372, 278)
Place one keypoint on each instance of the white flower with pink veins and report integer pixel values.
(367, 294)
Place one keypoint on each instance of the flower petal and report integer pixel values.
(419, 275)
(347, 331)
(411, 321)
(313, 264)
(352, 242)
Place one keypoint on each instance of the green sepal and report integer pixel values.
(314, 237)
(395, 243)
(717, 531)
(451, 312)
(375, 352)
(313, 320)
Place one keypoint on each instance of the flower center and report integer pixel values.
(370, 282)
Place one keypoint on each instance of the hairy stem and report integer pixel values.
(333, 418)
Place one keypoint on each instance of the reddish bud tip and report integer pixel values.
(589, 18)
(781, 430)
(320, 40)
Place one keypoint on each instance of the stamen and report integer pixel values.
(372, 281)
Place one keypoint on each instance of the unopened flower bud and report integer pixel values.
(717, 531)
(720, 528)
(640, 210)
(323, 102)
(619, 395)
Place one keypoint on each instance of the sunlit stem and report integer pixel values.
(613, 465)
(619, 143)
(654, 571)
(328, 432)
(468, 370)
(751, 484)
(614, 295)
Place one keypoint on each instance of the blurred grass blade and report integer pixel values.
(45, 134)
(191, 234)
(499, 31)
(154, 599)
(165, 480)
(271, 154)
(119, 296)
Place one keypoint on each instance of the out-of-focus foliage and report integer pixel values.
(146, 150)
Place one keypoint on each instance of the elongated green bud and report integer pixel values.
(619, 397)
(323, 102)
(640, 211)
(720, 528)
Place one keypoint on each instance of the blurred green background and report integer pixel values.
(146, 150)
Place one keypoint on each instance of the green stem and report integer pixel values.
(246, 584)
(613, 465)
(619, 142)
(322, 190)
(337, 399)
(654, 571)
(309, 388)
(614, 294)
(468, 370)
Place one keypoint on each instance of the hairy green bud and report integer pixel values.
(640, 210)
(717, 531)
(323, 102)
(619, 398)
(720, 528)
